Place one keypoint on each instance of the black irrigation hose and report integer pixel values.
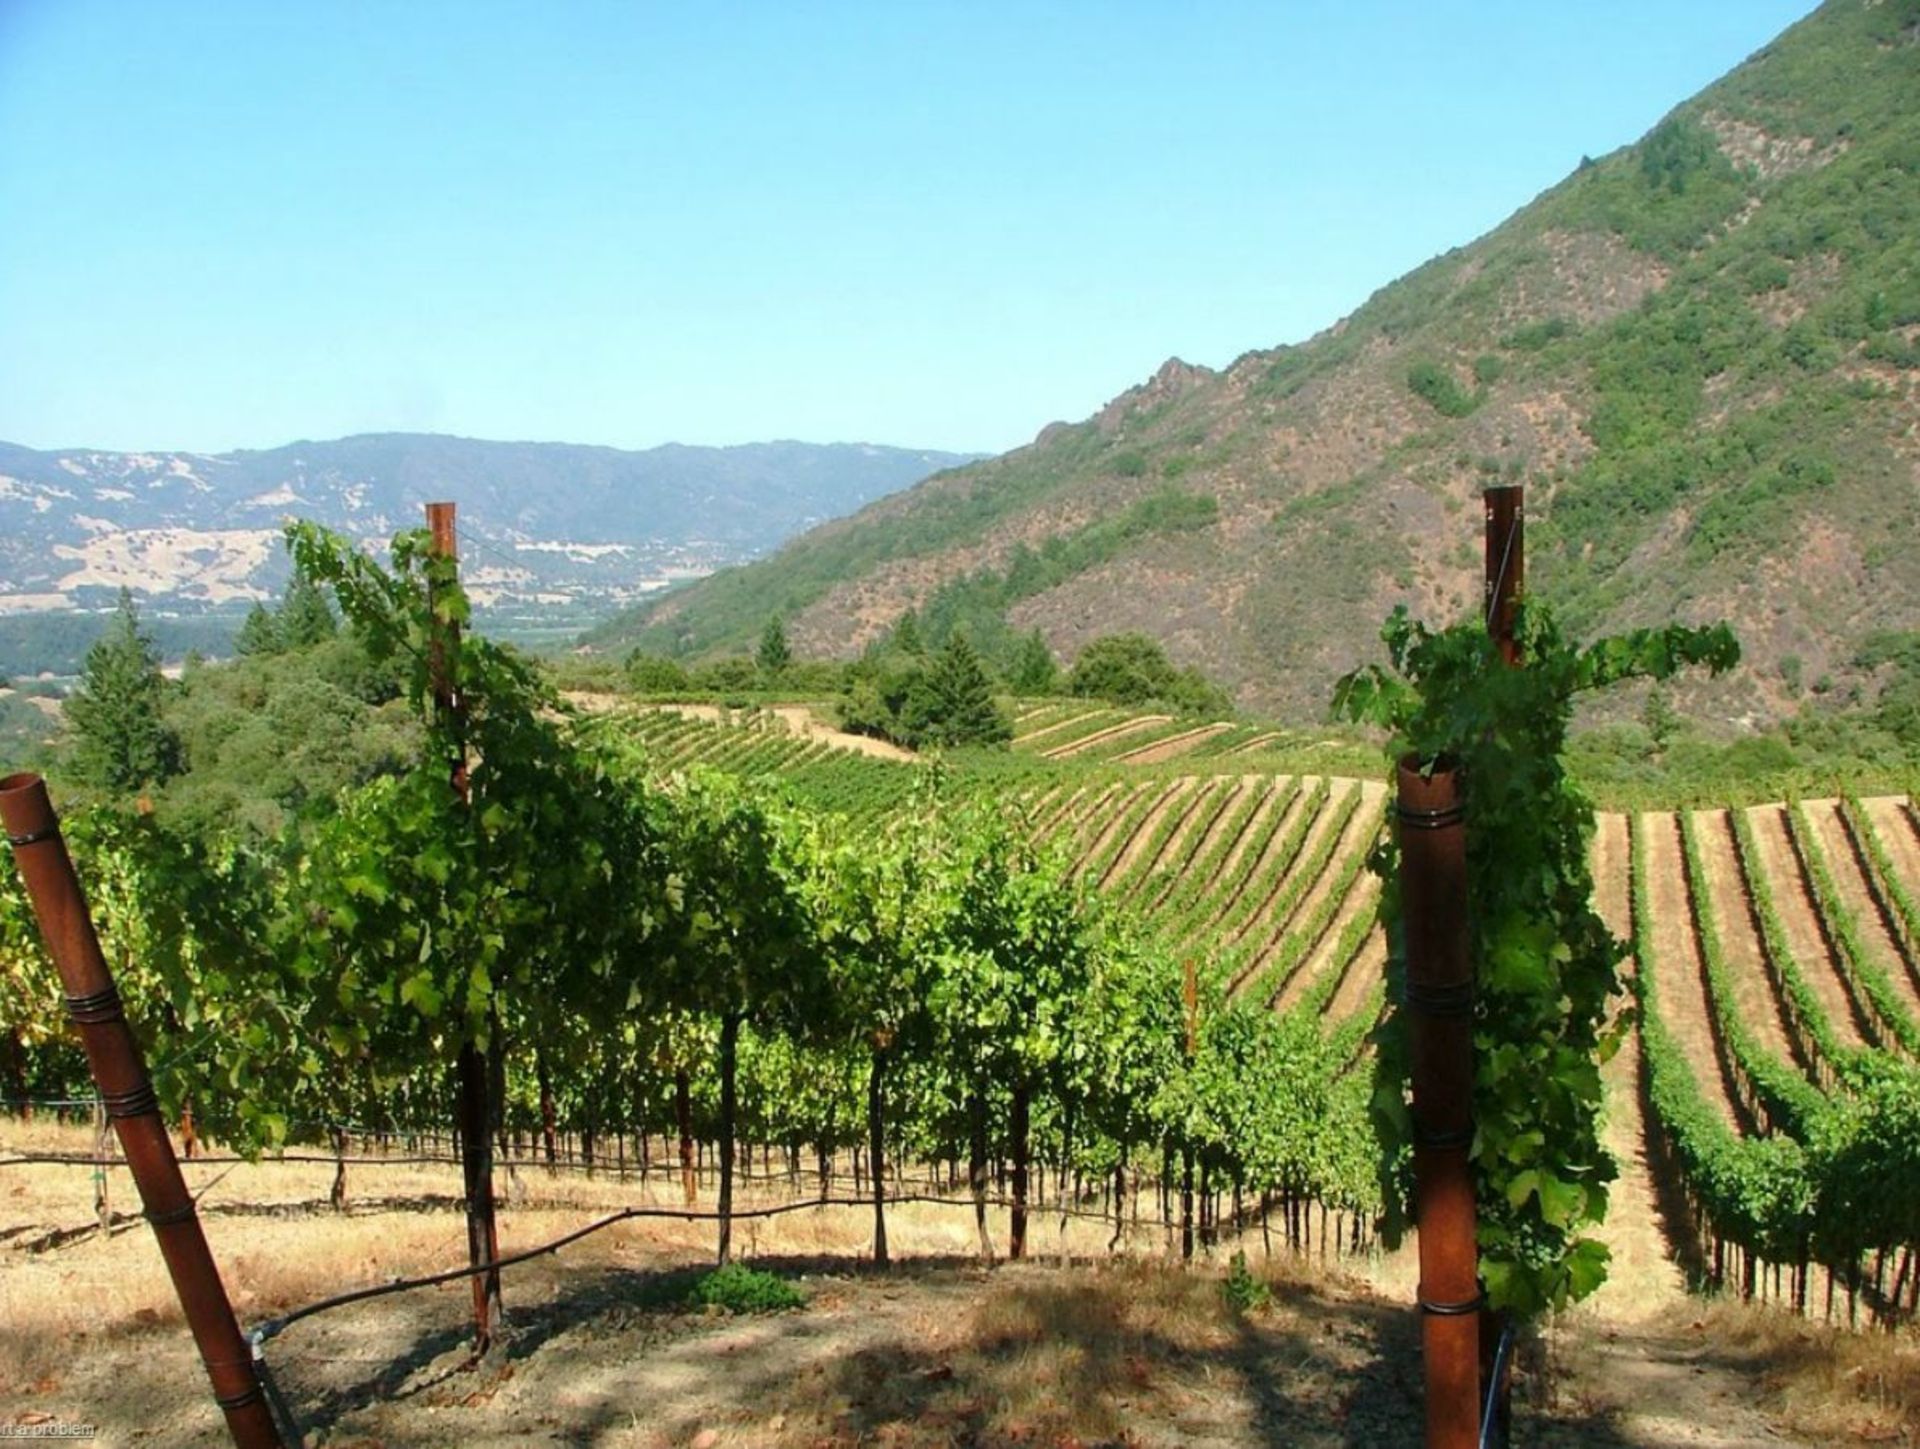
(1496, 1428)
(260, 1336)
(277, 1405)
(273, 1327)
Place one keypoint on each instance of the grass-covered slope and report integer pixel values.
(1700, 352)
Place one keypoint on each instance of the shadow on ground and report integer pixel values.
(942, 1352)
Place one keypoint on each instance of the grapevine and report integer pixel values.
(1547, 967)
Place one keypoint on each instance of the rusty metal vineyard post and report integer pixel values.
(1457, 1335)
(120, 1073)
(475, 1113)
(1430, 819)
(1506, 564)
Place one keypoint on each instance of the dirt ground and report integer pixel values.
(938, 1350)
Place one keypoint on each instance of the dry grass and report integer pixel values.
(1828, 1382)
(1117, 1354)
(1085, 1356)
(1112, 1351)
(279, 1244)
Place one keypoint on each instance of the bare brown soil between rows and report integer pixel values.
(1164, 883)
(1684, 1005)
(1893, 824)
(1366, 971)
(1057, 806)
(1270, 824)
(1794, 902)
(1099, 827)
(1179, 794)
(1106, 736)
(1211, 801)
(1086, 810)
(1320, 824)
(1645, 1280)
(1608, 856)
(1066, 722)
(1363, 899)
(1741, 947)
(1258, 742)
(1844, 865)
(1267, 824)
(1357, 835)
(1174, 746)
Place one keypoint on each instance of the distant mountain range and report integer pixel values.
(546, 524)
(1700, 352)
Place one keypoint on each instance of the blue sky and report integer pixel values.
(235, 225)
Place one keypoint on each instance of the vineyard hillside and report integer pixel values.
(1699, 351)
(1775, 949)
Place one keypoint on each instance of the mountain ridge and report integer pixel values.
(582, 524)
(1698, 351)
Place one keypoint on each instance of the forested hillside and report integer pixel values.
(1699, 351)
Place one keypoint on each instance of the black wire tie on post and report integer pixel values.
(137, 1101)
(1454, 1310)
(34, 837)
(1441, 1141)
(1417, 819)
(1453, 1000)
(98, 1007)
(239, 1400)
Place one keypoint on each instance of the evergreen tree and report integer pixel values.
(906, 635)
(260, 634)
(1033, 670)
(960, 707)
(1660, 718)
(121, 741)
(775, 655)
(306, 618)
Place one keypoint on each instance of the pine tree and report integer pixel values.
(775, 655)
(962, 710)
(1034, 670)
(121, 741)
(306, 618)
(1660, 718)
(260, 634)
(906, 635)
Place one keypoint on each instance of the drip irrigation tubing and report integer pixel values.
(273, 1327)
(261, 1334)
(1496, 1426)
